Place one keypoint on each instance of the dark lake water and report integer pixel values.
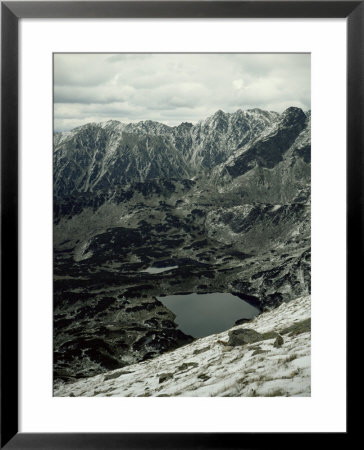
(203, 314)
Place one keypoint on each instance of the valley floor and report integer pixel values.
(210, 367)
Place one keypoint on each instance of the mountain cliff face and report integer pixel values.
(225, 202)
(219, 136)
(268, 149)
(98, 157)
(101, 156)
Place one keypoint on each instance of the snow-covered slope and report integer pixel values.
(211, 367)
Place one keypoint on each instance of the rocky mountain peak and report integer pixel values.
(268, 148)
(293, 116)
(219, 121)
(220, 114)
(185, 125)
(110, 122)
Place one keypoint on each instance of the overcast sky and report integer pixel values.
(174, 88)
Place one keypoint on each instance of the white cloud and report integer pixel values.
(173, 88)
(239, 84)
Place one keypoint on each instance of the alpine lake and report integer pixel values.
(201, 315)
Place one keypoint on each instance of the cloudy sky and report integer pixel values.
(173, 88)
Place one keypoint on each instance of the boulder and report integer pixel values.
(279, 341)
(164, 377)
(203, 377)
(241, 321)
(243, 336)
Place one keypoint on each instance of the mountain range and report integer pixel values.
(225, 201)
(99, 156)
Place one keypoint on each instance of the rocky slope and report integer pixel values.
(226, 202)
(269, 356)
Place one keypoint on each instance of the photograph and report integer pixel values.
(181, 225)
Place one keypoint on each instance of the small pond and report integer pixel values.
(159, 269)
(200, 315)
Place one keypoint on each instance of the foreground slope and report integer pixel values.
(271, 366)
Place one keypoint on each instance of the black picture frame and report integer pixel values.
(11, 12)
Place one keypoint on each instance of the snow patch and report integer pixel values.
(81, 252)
